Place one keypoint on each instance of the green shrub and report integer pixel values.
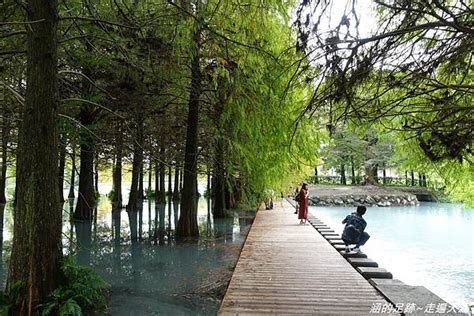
(85, 291)
(7, 300)
(111, 195)
(149, 193)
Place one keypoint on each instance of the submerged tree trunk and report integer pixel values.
(2, 215)
(162, 193)
(219, 181)
(181, 179)
(140, 183)
(135, 198)
(62, 165)
(4, 162)
(96, 173)
(208, 183)
(157, 181)
(150, 171)
(117, 174)
(36, 256)
(71, 194)
(86, 196)
(176, 183)
(187, 224)
(170, 181)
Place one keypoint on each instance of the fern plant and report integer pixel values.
(85, 291)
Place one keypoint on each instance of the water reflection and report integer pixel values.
(137, 254)
(116, 236)
(83, 241)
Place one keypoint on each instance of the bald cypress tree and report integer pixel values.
(36, 257)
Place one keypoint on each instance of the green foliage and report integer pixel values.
(364, 148)
(8, 299)
(111, 195)
(85, 291)
(454, 178)
(149, 193)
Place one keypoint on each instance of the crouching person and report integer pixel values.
(354, 230)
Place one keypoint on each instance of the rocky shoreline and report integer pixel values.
(368, 200)
(334, 195)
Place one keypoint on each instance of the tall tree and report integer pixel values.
(36, 254)
(187, 224)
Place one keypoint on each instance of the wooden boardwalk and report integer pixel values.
(287, 268)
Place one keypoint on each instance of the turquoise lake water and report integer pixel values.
(430, 245)
(150, 273)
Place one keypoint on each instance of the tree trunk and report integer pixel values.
(2, 215)
(36, 256)
(150, 171)
(370, 175)
(62, 164)
(316, 176)
(4, 152)
(162, 194)
(140, 183)
(86, 196)
(384, 172)
(157, 181)
(353, 173)
(117, 174)
(96, 173)
(83, 242)
(343, 174)
(170, 180)
(187, 224)
(219, 181)
(181, 179)
(412, 178)
(406, 177)
(176, 183)
(134, 197)
(208, 183)
(71, 194)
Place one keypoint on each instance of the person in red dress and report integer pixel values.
(303, 201)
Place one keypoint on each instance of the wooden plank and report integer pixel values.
(286, 268)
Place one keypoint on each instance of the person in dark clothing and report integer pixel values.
(354, 230)
(296, 198)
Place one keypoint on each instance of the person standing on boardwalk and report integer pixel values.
(296, 197)
(303, 202)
